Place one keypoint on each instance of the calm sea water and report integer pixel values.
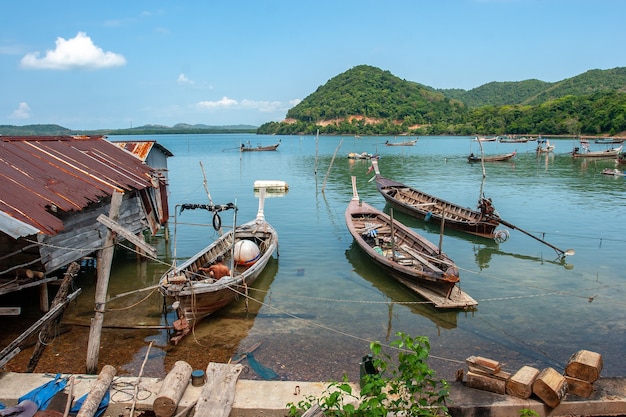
(321, 302)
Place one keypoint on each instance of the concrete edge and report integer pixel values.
(270, 398)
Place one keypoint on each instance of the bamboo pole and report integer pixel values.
(331, 164)
(145, 359)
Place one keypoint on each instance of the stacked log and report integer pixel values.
(486, 374)
(550, 386)
(582, 370)
(521, 383)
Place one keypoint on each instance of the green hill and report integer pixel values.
(499, 93)
(536, 92)
(368, 100)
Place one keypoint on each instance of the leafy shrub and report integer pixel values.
(408, 388)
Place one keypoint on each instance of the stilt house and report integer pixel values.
(53, 189)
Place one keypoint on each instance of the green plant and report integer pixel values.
(525, 412)
(409, 388)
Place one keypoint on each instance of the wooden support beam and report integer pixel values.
(103, 266)
(10, 311)
(44, 305)
(19, 287)
(137, 241)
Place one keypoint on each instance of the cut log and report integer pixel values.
(585, 365)
(483, 364)
(172, 390)
(218, 393)
(578, 387)
(550, 386)
(521, 383)
(96, 394)
(485, 383)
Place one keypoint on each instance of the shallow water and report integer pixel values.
(321, 301)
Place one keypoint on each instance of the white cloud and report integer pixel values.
(225, 102)
(245, 104)
(78, 52)
(182, 79)
(22, 112)
(262, 106)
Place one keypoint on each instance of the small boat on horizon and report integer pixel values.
(584, 152)
(544, 146)
(406, 143)
(362, 155)
(485, 139)
(248, 148)
(491, 158)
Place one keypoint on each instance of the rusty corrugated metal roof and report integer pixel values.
(141, 149)
(44, 175)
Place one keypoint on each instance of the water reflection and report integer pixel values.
(396, 293)
(484, 255)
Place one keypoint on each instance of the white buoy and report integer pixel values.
(246, 252)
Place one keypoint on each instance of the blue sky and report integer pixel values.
(117, 64)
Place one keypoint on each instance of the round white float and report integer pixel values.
(246, 252)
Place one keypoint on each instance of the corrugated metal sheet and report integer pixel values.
(141, 149)
(41, 176)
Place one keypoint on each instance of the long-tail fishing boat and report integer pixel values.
(246, 249)
(416, 203)
(407, 256)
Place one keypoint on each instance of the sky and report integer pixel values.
(113, 64)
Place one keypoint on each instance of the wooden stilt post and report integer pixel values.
(43, 298)
(103, 265)
(47, 333)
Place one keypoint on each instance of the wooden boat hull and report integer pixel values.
(407, 256)
(408, 143)
(273, 147)
(195, 295)
(614, 172)
(514, 140)
(424, 206)
(609, 153)
(491, 158)
(364, 155)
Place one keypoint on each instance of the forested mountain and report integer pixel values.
(34, 130)
(374, 93)
(368, 100)
(499, 93)
(184, 128)
(537, 92)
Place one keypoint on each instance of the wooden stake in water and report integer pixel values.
(331, 164)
